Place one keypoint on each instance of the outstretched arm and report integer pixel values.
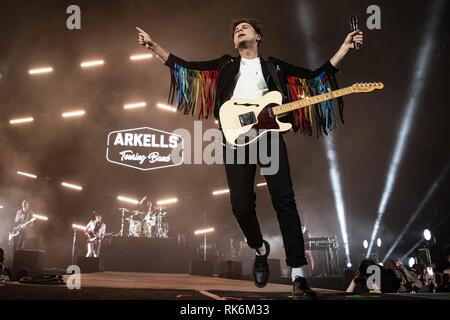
(347, 45)
(146, 41)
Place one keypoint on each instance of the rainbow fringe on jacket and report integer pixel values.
(194, 90)
(322, 115)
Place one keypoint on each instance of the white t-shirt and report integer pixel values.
(251, 83)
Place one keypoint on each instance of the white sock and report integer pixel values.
(298, 272)
(261, 251)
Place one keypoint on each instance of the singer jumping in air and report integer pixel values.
(200, 88)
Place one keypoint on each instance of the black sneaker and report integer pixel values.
(301, 289)
(261, 268)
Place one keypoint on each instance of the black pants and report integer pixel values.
(241, 179)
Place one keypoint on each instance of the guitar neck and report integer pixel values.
(308, 101)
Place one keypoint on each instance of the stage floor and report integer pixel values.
(157, 286)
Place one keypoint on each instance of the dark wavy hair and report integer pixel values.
(251, 21)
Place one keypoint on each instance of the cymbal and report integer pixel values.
(137, 212)
(123, 209)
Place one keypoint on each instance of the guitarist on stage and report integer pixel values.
(201, 88)
(95, 231)
(21, 226)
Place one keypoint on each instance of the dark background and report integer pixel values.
(306, 33)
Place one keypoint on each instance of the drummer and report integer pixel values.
(149, 218)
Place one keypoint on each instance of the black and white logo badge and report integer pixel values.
(144, 148)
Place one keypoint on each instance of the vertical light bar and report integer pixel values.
(336, 185)
(417, 84)
(307, 24)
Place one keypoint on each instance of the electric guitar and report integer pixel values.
(17, 230)
(91, 237)
(238, 117)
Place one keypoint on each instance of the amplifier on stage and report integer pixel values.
(89, 265)
(231, 269)
(32, 260)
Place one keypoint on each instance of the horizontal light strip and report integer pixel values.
(128, 200)
(166, 107)
(203, 231)
(135, 105)
(141, 57)
(262, 184)
(72, 186)
(166, 201)
(77, 113)
(25, 174)
(21, 120)
(40, 70)
(40, 217)
(218, 192)
(88, 64)
(79, 227)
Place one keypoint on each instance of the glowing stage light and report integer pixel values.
(365, 244)
(216, 121)
(40, 217)
(417, 84)
(166, 107)
(427, 234)
(40, 70)
(71, 186)
(71, 114)
(25, 174)
(349, 264)
(219, 192)
(379, 243)
(262, 184)
(411, 262)
(2, 207)
(78, 227)
(203, 231)
(422, 240)
(141, 57)
(424, 201)
(94, 63)
(128, 200)
(21, 120)
(166, 201)
(135, 105)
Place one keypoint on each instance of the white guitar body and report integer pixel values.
(238, 117)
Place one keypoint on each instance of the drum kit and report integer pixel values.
(152, 224)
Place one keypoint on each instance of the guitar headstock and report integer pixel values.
(367, 86)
